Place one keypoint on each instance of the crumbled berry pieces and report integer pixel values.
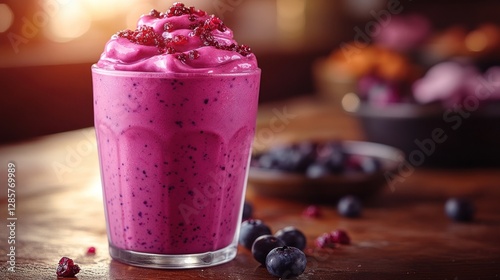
(156, 14)
(202, 26)
(143, 35)
(191, 55)
(67, 268)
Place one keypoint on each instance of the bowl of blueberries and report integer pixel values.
(323, 170)
(448, 118)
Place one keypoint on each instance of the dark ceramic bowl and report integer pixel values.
(276, 183)
(465, 136)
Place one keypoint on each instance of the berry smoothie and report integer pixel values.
(175, 105)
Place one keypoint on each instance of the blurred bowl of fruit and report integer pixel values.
(448, 118)
(323, 170)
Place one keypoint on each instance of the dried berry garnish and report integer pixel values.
(143, 35)
(91, 250)
(203, 28)
(67, 268)
(179, 9)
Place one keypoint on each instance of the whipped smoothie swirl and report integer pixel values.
(182, 40)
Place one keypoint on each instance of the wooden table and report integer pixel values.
(403, 233)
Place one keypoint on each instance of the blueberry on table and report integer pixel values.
(251, 230)
(459, 209)
(263, 245)
(286, 262)
(247, 210)
(349, 206)
(292, 237)
(317, 170)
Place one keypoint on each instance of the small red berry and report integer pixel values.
(91, 250)
(339, 236)
(312, 211)
(67, 268)
(324, 241)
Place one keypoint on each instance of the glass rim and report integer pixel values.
(126, 73)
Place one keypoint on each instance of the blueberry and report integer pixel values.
(292, 237)
(317, 170)
(459, 209)
(333, 156)
(251, 230)
(247, 211)
(365, 164)
(286, 262)
(263, 245)
(349, 206)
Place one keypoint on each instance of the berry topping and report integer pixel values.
(154, 13)
(286, 262)
(292, 237)
(67, 268)
(203, 28)
(251, 230)
(263, 245)
(349, 206)
(459, 209)
(191, 55)
(143, 35)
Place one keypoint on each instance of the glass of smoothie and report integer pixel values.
(175, 104)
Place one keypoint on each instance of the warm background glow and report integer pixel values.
(6, 17)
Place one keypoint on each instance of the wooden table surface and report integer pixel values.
(403, 233)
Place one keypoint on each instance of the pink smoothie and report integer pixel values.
(174, 132)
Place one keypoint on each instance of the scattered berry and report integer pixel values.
(263, 245)
(330, 239)
(67, 268)
(349, 206)
(286, 262)
(91, 250)
(317, 170)
(459, 209)
(324, 241)
(340, 237)
(292, 237)
(247, 211)
(312, 211)
(251, 230)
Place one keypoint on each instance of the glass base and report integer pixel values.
(174, 261)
